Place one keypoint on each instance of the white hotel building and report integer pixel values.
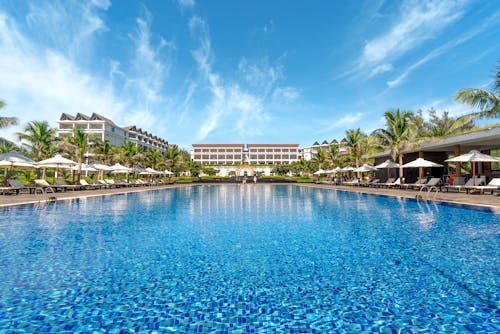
(253, 154)
(104, 128)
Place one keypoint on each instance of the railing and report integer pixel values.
(45, 194)
(428, 193)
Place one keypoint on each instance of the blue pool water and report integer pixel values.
(244, 259)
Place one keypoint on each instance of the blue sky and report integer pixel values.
(231, 71)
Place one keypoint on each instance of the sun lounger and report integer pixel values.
(351, 183)
(415, 185)
(473, 181)
(458, 182)
(381, 184)
(433, 182)
(39, 183)
(88, 186)
(65, 185)
(493, 185)
(14, 186)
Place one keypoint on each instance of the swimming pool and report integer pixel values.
(253, 258)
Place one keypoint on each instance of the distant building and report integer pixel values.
(104, 128)
(230, 154)
(309, 152)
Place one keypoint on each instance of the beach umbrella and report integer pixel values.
(120, 169)
(16, 158)
(57, 161)
(347, 169)
(420, 162)
(387, 164)
(365, 168)
(319, 172)
(166, 171)
(474, 156)
(100, 166)
(85, 168)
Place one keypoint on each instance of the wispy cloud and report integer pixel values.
(40, 82)
(150, 68)
(417, 22)
(485, 24)
(186, 4)
(239, 105)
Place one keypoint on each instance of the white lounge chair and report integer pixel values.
(493, 185)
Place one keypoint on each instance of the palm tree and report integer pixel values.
(396, 134)
(103, 150)
(173, 156)
(79, 141)
(5, 122)
(154, 158)
(321, 158)
(446, 126)
(127, 153)
(487, 102)
(354, 140)
(40, 138)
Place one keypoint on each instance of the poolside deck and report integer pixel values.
(486, 200)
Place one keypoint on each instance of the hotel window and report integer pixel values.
(261, 150)
(269, 150)
(277, 150)
(205, 150)
(277, 157)
(237, 157)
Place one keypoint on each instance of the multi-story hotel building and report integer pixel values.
(103, 128)
(230, 154)
(218, 154)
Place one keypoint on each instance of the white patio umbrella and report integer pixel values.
(474, 156)
(120, 169)
(85, 168)
(57, 161)
(14, 159)
(420, 162)
(366, 168)
(101, 168)
(347, 169)
(319, 172)
(387, 164)
(152, 171)
(166, 171)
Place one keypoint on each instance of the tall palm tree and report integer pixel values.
(173, 156)
(80, 142)
(39, 137)
(354, 139)
(487, 102)
(103, 150)
(5, 122)
(127, 153)
(396, 133)
(154, 158)
(321, 158)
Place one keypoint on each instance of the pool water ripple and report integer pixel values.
(243, 259)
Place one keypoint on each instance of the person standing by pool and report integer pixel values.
(255, 179)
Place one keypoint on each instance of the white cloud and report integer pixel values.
(186, 3)
(381, 69)
(419, 21)
(40, 83)
(478, 29)
(286, 94)
(232, 106)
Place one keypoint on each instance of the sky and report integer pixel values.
(235, 71)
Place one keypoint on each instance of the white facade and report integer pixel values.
(310, 152)
(235, 154)
(103, 128)
(218, 154)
